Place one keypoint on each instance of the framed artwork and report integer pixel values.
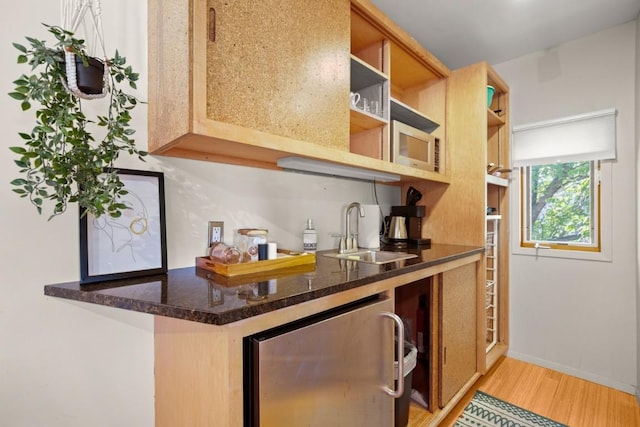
(135, 243)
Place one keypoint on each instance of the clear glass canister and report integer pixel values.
(219, 252)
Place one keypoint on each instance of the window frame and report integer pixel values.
(525, 212)
(604, 213)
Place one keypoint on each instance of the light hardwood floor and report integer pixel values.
(561, 397)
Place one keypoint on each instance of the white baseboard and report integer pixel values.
(627, 388)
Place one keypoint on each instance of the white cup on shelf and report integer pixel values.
(355, 99)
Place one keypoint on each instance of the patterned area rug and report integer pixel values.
(487, 411)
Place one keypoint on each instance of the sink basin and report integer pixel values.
(372, 257)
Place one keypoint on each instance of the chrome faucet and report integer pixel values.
(349, 243)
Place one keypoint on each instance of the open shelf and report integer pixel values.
(496, 180)
(493, 119)
(407, 115)
(372, 87)
(361, 121)
(364, 75)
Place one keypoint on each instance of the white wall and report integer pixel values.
(637, 143)
(65, 363)
(575, 316)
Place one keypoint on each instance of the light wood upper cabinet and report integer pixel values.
(249, 83)
(413, 89)
(280, 67)
(235, 80)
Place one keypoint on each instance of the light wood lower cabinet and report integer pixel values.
(199, 367)
(453, 343)
(458, 331)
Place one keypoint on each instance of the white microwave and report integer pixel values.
(413, 147)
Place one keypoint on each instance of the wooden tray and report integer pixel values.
(286, 259)
(262, 276)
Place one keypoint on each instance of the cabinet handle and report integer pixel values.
(400, 349)
(212, 24)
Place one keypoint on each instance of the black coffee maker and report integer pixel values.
(410, 231)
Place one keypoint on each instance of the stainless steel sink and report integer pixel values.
(372, 257)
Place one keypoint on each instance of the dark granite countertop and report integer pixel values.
(201, 296)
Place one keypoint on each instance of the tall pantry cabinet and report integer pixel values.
(484, 128)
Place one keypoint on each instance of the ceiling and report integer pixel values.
(461, 32)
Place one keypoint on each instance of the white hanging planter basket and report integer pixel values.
(86, 82)
(82, 18)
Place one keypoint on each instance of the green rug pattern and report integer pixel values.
(487, 411)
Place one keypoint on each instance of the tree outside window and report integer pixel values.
(561, 209)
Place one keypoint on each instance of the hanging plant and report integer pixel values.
(62, 159)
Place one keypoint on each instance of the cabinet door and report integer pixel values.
(280, 66)
(457, 330)
(329, 372)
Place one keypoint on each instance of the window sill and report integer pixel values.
(603, 256)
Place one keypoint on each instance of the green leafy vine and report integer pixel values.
(60, 159)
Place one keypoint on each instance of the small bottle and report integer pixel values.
(310, 237)
(219, 252)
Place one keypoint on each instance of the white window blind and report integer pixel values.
(590, 136)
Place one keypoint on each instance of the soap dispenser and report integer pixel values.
(310, 237)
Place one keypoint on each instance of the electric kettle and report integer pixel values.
(397, 228)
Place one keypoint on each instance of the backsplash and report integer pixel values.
(243, 197)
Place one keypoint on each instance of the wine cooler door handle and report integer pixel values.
(399, 390)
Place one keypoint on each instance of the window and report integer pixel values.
(560, 205)
(563, 191)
